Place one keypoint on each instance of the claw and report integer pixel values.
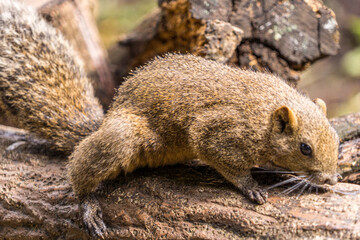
(92, 217)
(257, 195)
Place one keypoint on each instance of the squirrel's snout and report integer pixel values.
(332, 180)
(323, 178)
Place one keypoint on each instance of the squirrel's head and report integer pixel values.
(305, 142)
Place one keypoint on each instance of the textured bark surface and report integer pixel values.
(283, 37)
(75, 19)
(348, 129)
(175, 202)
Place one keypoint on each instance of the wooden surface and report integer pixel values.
(175, 202)
(283, 37)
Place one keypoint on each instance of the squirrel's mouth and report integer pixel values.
(315, 177)
(325, 178)
(302, 182)
(299, 181)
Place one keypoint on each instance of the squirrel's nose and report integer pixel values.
(332, 180)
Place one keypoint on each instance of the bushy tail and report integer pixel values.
(43, 86)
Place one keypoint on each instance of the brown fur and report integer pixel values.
(173, 109)
(182, 107)
(42, 83)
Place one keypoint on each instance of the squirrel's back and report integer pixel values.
(43, 86)
(176, 87)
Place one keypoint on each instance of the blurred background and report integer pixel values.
(334, 79)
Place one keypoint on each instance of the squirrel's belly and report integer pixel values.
(169, 156)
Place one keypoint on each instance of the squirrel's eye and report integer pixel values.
(305, 149)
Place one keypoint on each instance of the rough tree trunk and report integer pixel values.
(283, 37)
(176, 202)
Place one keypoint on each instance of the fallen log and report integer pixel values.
(348, 129)
(283, 37)
(189, 201)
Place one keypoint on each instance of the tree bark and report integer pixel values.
(189, 201)
(348, 129)
(283, 37)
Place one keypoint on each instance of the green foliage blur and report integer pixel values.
(120, 16)
(334, 79)
(351, 60)
(351, 66)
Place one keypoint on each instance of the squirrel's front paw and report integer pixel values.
(249, 187)
(92, 217)
(257, 195)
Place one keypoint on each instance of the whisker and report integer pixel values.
(317, 187)
(276, 171)
(296, 186)
(284, 182)
(351, 193)
(305, 186)
(310, 188)
(293, 188)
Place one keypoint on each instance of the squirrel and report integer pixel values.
(173, 109)
(43, 87)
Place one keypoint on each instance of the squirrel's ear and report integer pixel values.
(284, 120)
(321, 104)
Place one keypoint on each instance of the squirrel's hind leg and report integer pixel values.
(122, 143)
